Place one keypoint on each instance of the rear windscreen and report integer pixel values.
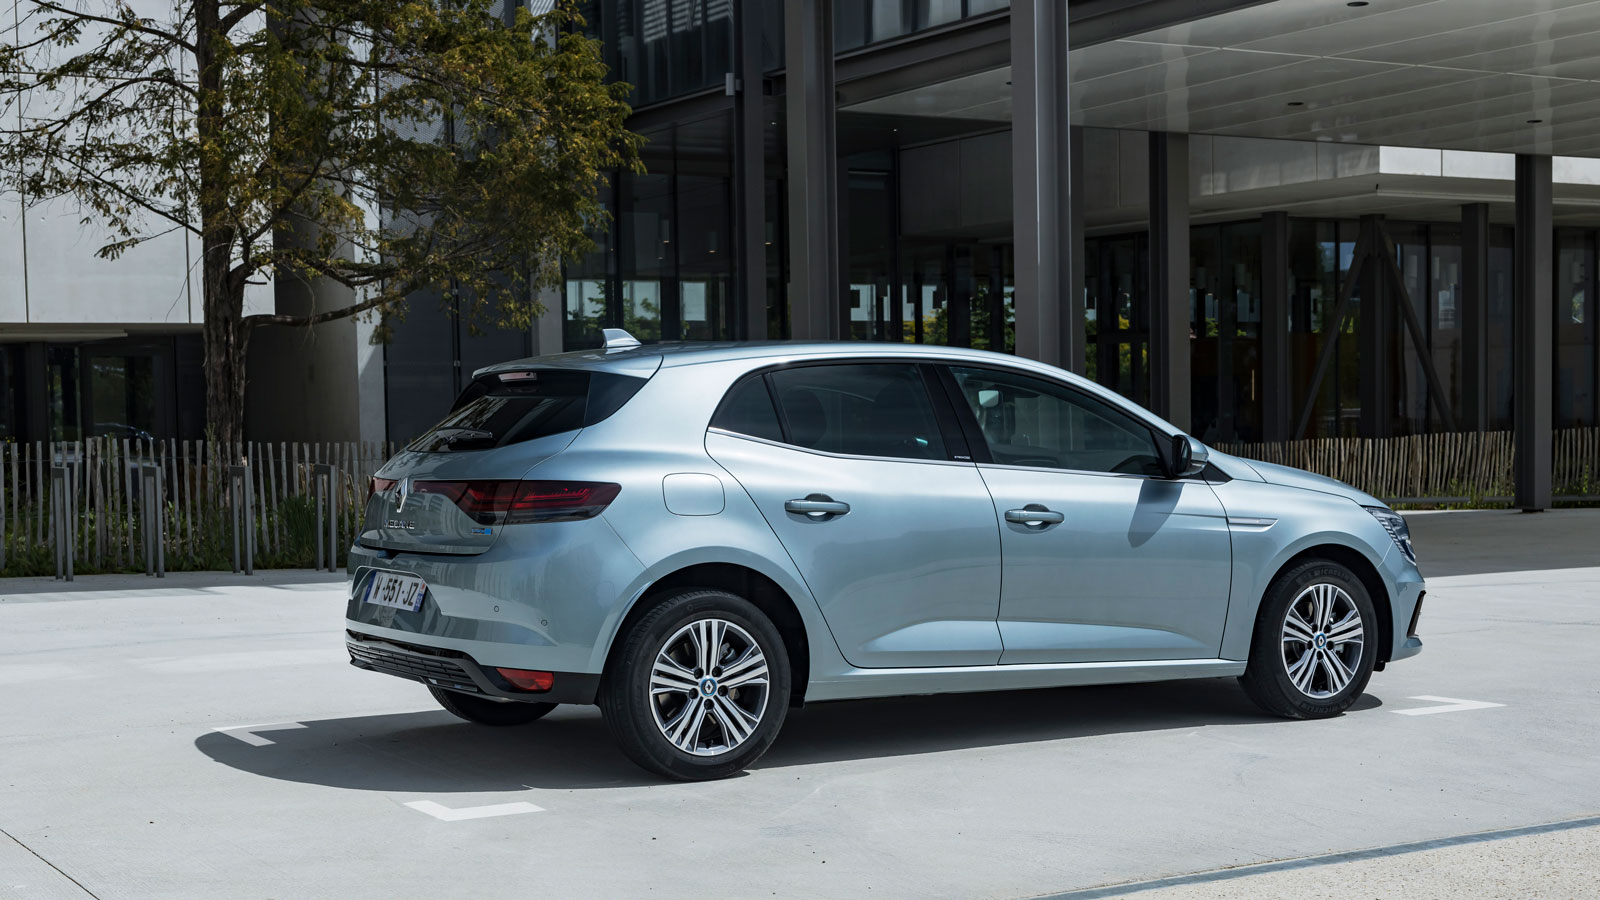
(510, 407)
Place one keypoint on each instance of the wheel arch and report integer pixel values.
(760, 589)
(1364, 569)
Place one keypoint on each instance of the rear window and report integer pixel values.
(511, 407)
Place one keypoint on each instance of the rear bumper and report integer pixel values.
(456, 671)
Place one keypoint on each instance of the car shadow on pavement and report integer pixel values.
(432, 752)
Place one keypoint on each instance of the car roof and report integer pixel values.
(646, 359)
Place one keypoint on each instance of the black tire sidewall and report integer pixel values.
(1266, 678)
(625, 692)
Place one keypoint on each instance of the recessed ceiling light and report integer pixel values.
(1297, 103)
(1358, 3)
(1535, 121)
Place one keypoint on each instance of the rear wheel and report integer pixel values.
(699, 687)
(490, 712)
(1315, 642)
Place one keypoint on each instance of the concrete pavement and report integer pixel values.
(205, 738)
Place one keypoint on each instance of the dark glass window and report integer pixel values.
(866, 409)
(748, 410)
(1032, 422)
(511, 407)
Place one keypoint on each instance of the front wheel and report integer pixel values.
(1315, 642)
(699, 687)
(489, 712)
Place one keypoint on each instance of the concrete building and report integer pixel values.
(1266, 220)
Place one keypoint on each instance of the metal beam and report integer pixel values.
(1474, 412)
(1170, 350)
(814, 270)
(749, 174)
(1041, 183)
(1275, 381)
(1533, 334)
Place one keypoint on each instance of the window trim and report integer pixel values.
(958, 448)
(975, 438)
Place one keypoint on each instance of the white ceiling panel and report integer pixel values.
(1383, 23)
(1268, 21)
(1497, 44)
(1188, 73)
(1125, 56)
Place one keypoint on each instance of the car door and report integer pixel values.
(870, 488)
(1105, 559)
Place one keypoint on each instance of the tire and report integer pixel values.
(664, 719)
(1291, 677)
(483, 711)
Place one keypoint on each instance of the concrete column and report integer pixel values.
(1533, 334)
(1170, 350)
(1041, 183)
(1275, 382)
(1074, 354)
(1474, 412)
(749, 176)
(814, 270)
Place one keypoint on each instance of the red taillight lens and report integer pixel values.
(379, 485)
(521, 502)
(527, 679)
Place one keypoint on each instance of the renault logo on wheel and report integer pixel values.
(401, 493)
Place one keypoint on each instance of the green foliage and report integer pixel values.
(388, 146)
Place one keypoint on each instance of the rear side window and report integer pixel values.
(871, 409)
(748, 410)
(511, 407)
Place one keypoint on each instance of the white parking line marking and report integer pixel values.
(446, 814)
(247, 733)
(1450, 705)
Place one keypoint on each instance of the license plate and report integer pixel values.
(396, 589)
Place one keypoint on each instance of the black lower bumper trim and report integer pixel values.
(456, 671)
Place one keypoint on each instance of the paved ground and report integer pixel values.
(191, 739)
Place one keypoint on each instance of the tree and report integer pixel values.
(301, 139)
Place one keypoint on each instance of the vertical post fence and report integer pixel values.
(62, 520)
(241, 500)
(152, 519)
(327, 503)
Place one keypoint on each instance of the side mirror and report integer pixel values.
(1183, 456)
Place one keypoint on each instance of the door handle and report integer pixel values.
(817, 506)
(1034, 515)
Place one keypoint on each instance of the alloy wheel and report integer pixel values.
(1321, 640)
(709, 687)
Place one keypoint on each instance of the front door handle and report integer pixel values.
(817, 506)
(1034, 515)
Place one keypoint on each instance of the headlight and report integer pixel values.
(1396, 526)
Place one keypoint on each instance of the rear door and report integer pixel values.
(870, 489)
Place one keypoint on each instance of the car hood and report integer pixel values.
(1300, 478)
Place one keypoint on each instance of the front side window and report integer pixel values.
(866, 409)
(1033, 422)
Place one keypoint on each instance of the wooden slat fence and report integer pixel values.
(108, 497)
(1462, 468)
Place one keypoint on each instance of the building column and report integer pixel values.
(1170, 349)
(1074, 353)
(1276, 390)
(749, 174)
(1041, 183)
(1373, 335)
(813, 175)
(1533, 333)
(1474, 412)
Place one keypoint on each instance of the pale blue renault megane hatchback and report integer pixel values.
(698, 537)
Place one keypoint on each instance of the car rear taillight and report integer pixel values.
(379, 485)
(521, 502)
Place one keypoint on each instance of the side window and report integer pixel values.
(866, 409)
(748, 410)
(1032, 422)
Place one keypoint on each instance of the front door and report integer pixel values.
(895, 537)
(1105, 559)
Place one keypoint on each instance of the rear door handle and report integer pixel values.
(817, 506)
(1034, 515)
